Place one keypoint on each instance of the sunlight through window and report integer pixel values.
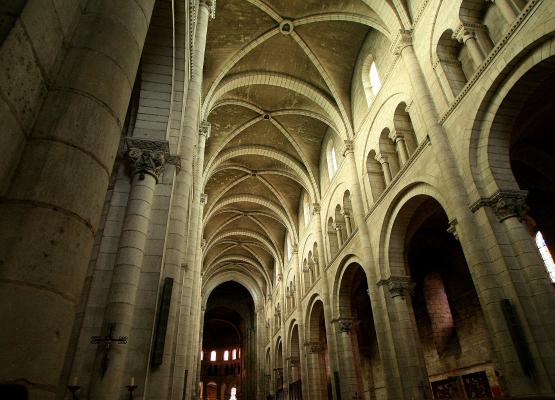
(375, 79)
(546, 255)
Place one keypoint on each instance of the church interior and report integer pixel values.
(277, 199)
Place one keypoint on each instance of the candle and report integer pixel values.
(75, 381)
(132, 381)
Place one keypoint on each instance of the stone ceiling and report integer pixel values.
(277, 76)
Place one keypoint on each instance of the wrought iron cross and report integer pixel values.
(107, 340)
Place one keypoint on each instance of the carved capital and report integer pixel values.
(398, 286)
(466, 31)
(315, 347)
(315, 208)
(344, 325)
(505, 204)
(147, 156)
(348, 148)
(205, 129)
(211, 5)
(338, 226)
(203, 199)
(402, 40)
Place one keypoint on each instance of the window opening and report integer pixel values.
(226, 355)
(375, 79)
(213, 355)
(546, 255)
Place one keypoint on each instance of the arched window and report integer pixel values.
(332, 159)
(375, 79)
(233, 394)
(306, 210)
(201, 355)
(546, 255)
(213, 355)
(234, 354)
(226, 355)
(288, 247)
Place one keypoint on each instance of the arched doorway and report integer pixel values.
(278, 371)
(295, 383)
(319, 363)
(355, 308)
(444, 305)
(228, 343)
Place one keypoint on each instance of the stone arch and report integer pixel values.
(396, 222)
(376, 178)
(244, 279)
(403, 133)
(388, 155)
(448, 66)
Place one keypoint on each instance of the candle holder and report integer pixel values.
(131, 389)
(73, 389)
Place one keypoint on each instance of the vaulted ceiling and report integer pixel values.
(277, 79)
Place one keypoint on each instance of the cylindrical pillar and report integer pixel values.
(51, 209)
(147, 158)
(385, 168)
(470, 41)
(347, 375)
(506, 9)
(348, 224)
(377, 300)
(401, 148)
(179, 238)
(339, 234)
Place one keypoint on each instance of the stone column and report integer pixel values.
(176, 247)
(147, 159)
(466, 34)
(382, 159)
(339, 234)
(401, 145)
(321, 262)
(347, 375)
(377, 300)
(490, 290)
(405, 337)
(507, 10)
(55, 198)
(348, 224)
(315, 375)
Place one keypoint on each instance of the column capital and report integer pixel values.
(346, 213)
(398, 286)
(147, 156)
(315, 347)
(205, 129)
(210, 5)
(338, 226)
(505, 204)
(203, 199)
(348, 147)
(402, 40)
(315, 208)
(466, 31)
(345, 325)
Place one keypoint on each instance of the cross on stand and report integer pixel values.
(108, 340)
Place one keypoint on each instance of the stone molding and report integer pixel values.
(211, 5)
(398, 286)
(147, 156)
(505, 204)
